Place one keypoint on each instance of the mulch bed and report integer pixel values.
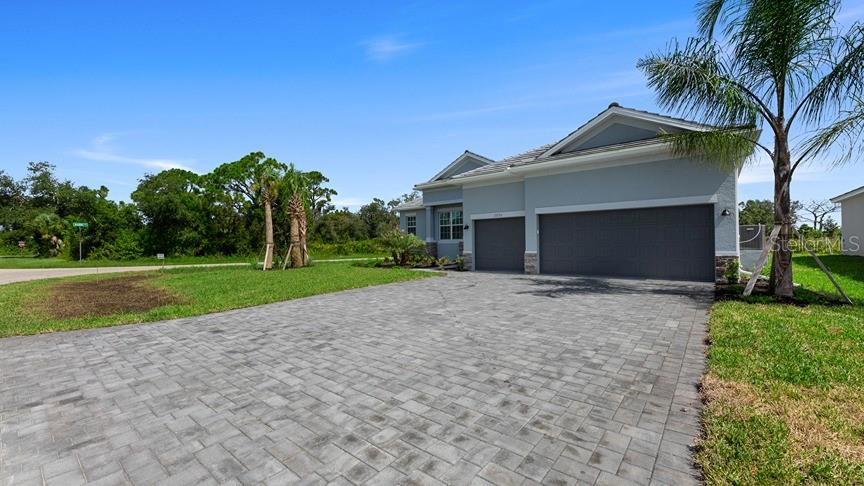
(104, 297)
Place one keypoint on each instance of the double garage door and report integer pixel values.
(675, 243)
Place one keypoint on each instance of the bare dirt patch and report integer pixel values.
(105, 297)
(826, 419)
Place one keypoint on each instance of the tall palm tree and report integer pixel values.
(780, 64)
(296, 183)
(268, 185)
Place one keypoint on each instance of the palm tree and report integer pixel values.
(268, 186)
(783, 64)
(296, 184)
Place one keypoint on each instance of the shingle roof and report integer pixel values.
(535, 155)
(416, 203)
(523, 159)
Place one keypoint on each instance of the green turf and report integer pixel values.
(791, 367)
(206, 290)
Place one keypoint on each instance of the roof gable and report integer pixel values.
(617, 125)
(468, 161)
(848, 195)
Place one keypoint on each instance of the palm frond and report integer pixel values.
(709, 15)
(776, 41)
(840, 140)
(846, 76)
(693, 81)
(726, 149)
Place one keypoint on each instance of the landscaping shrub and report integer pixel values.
(732, 272)
(358, 247)
(402, 246)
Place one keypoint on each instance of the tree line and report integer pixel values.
(178, 212)
(812, 218)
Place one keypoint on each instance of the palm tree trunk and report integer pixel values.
(268, 233)
(296, 249)
(301, 232)
(781, 265)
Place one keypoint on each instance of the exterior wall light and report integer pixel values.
(725, 212)
(467, 227)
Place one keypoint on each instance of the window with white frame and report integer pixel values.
(450, 224)
(411, 224)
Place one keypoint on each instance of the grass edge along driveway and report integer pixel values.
(785, 385)
(201, 290)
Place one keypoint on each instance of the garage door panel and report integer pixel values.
(670, 243)
(499, 244)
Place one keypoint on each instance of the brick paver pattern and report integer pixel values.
(466, 379)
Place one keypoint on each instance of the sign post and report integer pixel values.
(80, 225)
(161, 257)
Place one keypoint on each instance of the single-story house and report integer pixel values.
(608, 199)
(852, 220)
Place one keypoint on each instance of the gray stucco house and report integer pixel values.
(608, 199)
(852, 220)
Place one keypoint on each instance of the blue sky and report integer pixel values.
(378, 96)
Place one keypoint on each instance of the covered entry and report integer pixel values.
(499, 244)
(675, 243)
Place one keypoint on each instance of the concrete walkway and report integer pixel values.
(10, 275)
(470, 378)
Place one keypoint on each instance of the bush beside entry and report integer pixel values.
(402, 246)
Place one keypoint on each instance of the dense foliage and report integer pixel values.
(176, 212)
(815, 216)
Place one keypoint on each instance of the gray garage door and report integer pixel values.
(499, 244)
(675, 243)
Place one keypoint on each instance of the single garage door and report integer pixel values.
(499, 244)
(675, 243)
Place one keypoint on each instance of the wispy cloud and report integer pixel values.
(102, 151)
(615, 86)
(387, 48)
(472, 112)
(349, 202)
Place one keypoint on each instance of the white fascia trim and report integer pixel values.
(461, 181)
(531, 252)
(465, 155)
(502, 214)
(512, 179)
(618, 110)
(850, 194)
(466, 252)
(443, 203)
(727, 253)
(643, 203)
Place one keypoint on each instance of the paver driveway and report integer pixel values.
(481, 378)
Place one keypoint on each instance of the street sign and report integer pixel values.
(160, 256)
(21, 244)
(79, 224)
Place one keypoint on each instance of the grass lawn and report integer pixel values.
(785, 386)
(196, 291)
(354, 256)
